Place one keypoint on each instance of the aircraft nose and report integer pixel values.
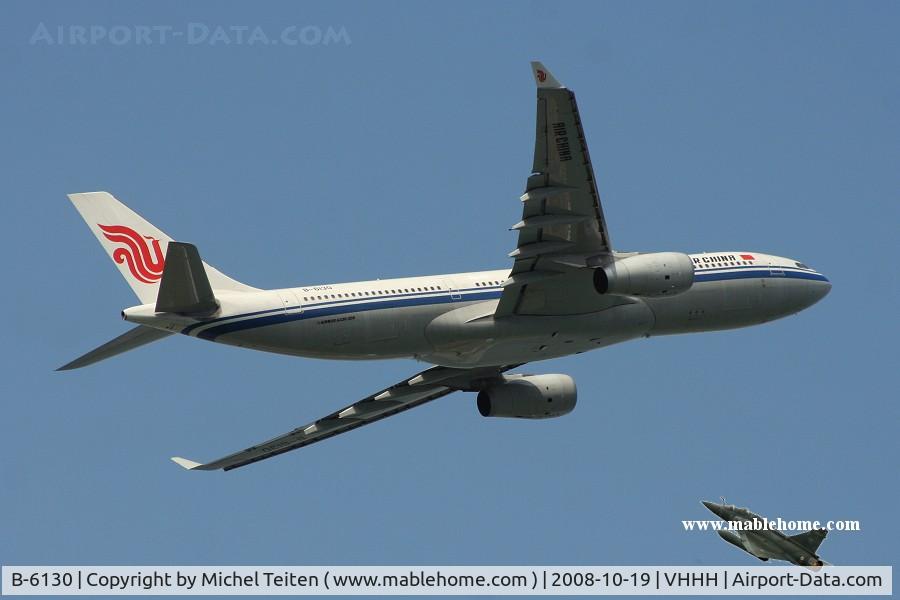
(717, 509)
(818, 290)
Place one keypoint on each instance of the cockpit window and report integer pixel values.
(802, 266)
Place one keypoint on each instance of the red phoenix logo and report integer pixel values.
(136, 252)
(542, 77)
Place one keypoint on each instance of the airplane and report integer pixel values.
(567, 292)
(769, 543)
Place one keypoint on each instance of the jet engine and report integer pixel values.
(529, 397)
(815, 561)
(653, 275)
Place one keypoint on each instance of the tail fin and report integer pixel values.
(811, 540)
(136, 246)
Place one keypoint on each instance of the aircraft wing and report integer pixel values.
(562, 226)
(423, 387)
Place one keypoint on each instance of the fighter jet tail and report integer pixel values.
(811, 540)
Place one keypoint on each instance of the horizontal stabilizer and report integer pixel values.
(185, 286)
(134, 338)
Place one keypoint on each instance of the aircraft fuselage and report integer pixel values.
(449, 319)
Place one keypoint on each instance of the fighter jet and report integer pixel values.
(765, 543)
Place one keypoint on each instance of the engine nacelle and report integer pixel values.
(529, 397)
(655, 274)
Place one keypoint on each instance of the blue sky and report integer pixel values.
(401, 150)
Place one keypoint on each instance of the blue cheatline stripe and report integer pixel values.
(312, 305)
(276, 316)
(783, 268)
(321, 310)
(700, 269)
(757, 273)
(187, 330)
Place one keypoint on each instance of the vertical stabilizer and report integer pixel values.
(135, 245)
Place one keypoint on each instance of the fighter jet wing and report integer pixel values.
(562, 226)
(423, 387)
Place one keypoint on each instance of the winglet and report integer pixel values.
(543, 77)
(187, 464)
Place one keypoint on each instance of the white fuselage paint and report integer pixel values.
(448, 319)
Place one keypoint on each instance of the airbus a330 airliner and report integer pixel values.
(568, 292)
